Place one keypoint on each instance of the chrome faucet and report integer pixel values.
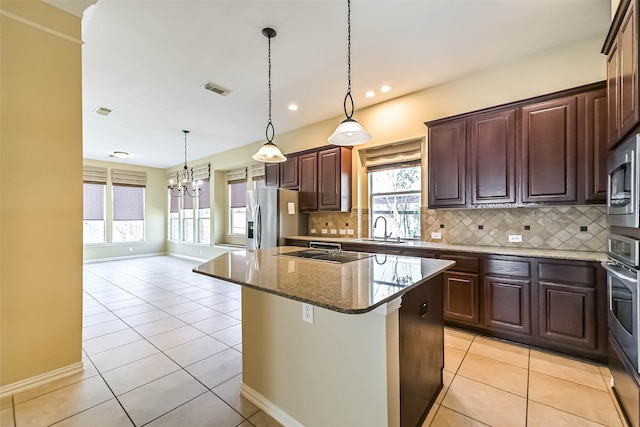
(385, 226)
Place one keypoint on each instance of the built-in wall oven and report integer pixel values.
(624, 184)
(623, 275)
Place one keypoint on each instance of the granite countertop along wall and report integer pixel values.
(353, 287)
(494, 250)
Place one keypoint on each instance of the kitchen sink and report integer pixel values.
(388, 241)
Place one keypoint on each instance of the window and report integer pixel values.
(128, 214)
(237, 207)
(395, 199)
(187, 218)
(174, 217)
(204, 212)
(93, 213)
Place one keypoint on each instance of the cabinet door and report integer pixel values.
(594, 125)
(493, 161)
(507, 304)
(628, 46)
(334, 179)
(613, 95)
(289, 173)
(447, 165)
(308, 182)
(548, 154)
(567, 314)
(461, 297)
(272, 174)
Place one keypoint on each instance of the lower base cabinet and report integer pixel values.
(461, 292)
(626, 383)
(507, 304)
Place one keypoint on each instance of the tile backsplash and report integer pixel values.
(581, 228)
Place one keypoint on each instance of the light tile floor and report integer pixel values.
(162, 346)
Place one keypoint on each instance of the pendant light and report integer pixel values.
(184, 184)
(349, 132)
(269, 152)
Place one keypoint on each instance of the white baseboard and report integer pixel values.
(116, 258)
(190, 258)
(269, 407)
(41, 379)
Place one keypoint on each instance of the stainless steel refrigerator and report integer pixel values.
(272, 215)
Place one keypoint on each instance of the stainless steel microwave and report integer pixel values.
(624, 184)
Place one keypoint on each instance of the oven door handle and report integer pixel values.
(616, 272)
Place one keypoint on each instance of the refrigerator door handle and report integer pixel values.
(258, 227)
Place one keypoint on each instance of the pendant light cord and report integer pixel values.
(348, 97)
(185, 150)
(270, 123)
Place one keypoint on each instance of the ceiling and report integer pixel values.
(148, 60)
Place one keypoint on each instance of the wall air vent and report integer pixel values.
(103, 111)
(216, 88)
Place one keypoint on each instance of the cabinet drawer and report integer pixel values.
(507, 267)
(571, 273)
(467, 264)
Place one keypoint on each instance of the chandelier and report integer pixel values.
(184, 185)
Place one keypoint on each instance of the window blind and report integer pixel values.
(187, 201)
(204, 202)
(238, 194)
(94, 174)
(257, 172)
(128, 203)
(237, 175)
(392, 156)
(201, 172)
(128, 177)
(173, 203)
(93, 201)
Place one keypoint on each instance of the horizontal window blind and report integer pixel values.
(237, 175)
(128, 203)
(401, 154)
(94, 174)
(238, 194)
(257, 172)
(93, 201)
(201, 172)
(204, 202)
(128, 177)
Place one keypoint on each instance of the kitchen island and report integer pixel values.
(373, 354)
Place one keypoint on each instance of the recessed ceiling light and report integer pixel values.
(293, 107)
(385, 89)
(103, 111)
(119, 154)
(370, 94)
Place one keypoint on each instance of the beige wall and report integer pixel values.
(155, 211)
(40, 191)
(403, 118)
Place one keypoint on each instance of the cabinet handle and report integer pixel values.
(423, 309)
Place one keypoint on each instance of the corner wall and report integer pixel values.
(40, 190)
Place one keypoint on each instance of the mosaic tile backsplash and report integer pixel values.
(582, 228)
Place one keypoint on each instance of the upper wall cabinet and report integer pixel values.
(308, 182)
(546, 150)
(272, 174)
(334, 179)
(289, 173)
(447, 164)
(621, 49)
(548, 153)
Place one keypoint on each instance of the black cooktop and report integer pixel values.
(336, 256)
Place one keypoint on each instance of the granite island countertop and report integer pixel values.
(492, 250)
(353, 287)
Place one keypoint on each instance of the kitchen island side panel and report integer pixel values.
(342, 370)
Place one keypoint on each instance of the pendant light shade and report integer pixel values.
(269, 152)
(349, 132)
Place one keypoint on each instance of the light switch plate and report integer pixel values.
(342, 231)
(334, 231)
(313, 231)
(324, 231)
(515, 238)
(436, 236)
(350, 232)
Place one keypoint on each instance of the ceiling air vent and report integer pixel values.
(103, 111)
(216, 88)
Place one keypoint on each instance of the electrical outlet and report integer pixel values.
(324, 231)
(515, 238)
(436, 236)
(334, 231)
(350, 232)
(313, 231)
(130, 249)
(342, 231)
(307, 313)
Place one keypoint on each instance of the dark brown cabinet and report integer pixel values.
(308, 182)
(461, 292)
(289, 173)
(493, 161)
(621, 48)
(592, 129)
(272, 174)
(548, 154)
(334, 179)
(507, 304)
(447, 164)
